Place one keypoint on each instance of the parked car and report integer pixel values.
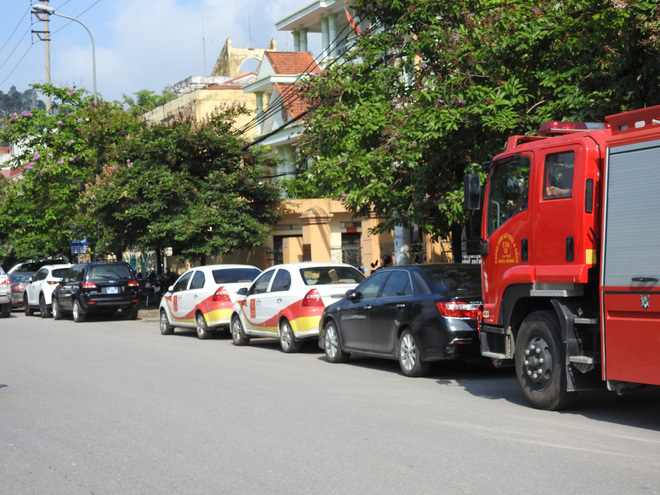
(18, 282)
(38, 294)
(5, 294)
(203, 297)
(416, 314)
(287, 300)
(33, 265)
(97, 287)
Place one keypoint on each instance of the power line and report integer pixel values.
(15, 29)
(291, 92)
(16, 66)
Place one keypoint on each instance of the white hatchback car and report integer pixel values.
(202, 298)
(38, 293)
(286, 301)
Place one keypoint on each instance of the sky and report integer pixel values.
(140, 44)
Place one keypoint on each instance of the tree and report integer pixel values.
(101, 172)
(16, 102)
(144, 100)
(436, 87)
(189, 185)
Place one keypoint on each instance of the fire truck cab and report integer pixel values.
(571, 257)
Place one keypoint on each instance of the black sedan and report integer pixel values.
(416, 314)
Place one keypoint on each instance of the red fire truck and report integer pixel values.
(570, 250)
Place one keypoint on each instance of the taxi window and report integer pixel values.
(282, 281)
(260, 285)
(182, 283)
(198, 280)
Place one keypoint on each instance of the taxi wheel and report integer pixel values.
(43, 307)
(165, 327)
(288, 340)
(201, 327)
(237, 333)
(26, 307)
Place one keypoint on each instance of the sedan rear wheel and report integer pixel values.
(288, 341)
(332, 346)
(410, 356)
(26, 306)
(201, 327)
(44, 310)
(237, 333)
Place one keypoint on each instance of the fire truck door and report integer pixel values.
(555, 220)
(507, 226)
(630, 293)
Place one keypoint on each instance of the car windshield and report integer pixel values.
(324, 275)
(235, 275)
(110, 272)
(454, 279)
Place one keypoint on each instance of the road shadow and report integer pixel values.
(638, 409)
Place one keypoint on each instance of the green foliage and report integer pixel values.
(436, 87)
(103, 173)
(144, 100)
(15, 101)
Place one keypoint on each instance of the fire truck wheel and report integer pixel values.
(541, 364)
(237, 333)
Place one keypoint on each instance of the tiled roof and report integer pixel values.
(292, 62)
(294, 103)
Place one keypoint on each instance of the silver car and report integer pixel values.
(5, 294)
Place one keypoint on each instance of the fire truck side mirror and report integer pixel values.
(472, 191)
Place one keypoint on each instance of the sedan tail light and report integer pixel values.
(221, 295)
(313, 298)
(89, 285)
(6, 282)
(454, 309)
(133, 283)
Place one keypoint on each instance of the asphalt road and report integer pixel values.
(113, 407)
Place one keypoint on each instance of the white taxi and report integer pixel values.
(286, 301)
(202, 298)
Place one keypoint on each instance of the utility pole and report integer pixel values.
(46, 40)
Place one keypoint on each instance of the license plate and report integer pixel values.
(112, 290)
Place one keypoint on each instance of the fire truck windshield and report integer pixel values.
(508, 191)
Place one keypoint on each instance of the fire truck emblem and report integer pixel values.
(506, 250)
(645, 301)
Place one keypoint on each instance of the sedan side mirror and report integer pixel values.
(242, 291)
(353, 296)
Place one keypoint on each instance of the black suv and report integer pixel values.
(96, 287)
